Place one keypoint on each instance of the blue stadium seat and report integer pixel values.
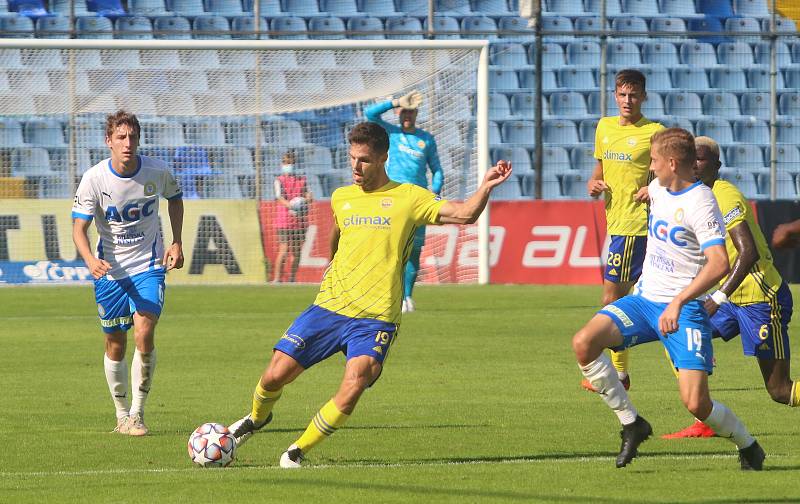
(721, 105)
(403, 28)
(552, 55)
(669, 25)
(559, 131)
(303, 8)
(788, 130)
(242, 27)
(582, 158)
(445, 27)
(747, 156)
(756, 105)
(730, 79)
(792, 78)
(795, 48)
(510, 190)
(495, 136)
(576, 78)
(188, 8)
(513, 27)
(211, 28)
(52, 27)
(632, 27)
(509, 54)
(786, 187)
(290, 28)
(570, 8)
(694, 79)
(662, 54)
(478, 27)
(204, 132)
(518, 132)
(560, 28)
(161, 132)
(314, 159)
(588, 26)
(133, 27)
(45, 133)
(587, 129)
(491, 7)
(711, 25)
(413, 7)
(16, 27)
(266, 8)
(367, 28)
(226, 8)
(62, 8)
(585, 53)
(503, 80)
(754, 8)
(782, 25)
(28, 8)
(718, 129)
(107, 8)
(623, 54)
(10, 133)
(172, 27)
(147, 8)
(523, 105)
(641, 7)
(284, 132)
(453, 7)
(30, 161)
(551, 185)
(499, 108)
(698, 55)
(383, 8)
(736, 54)
(762, 53)
(742, 26)
(593, 102)
(678, 8)
(758, 78)
(613, 7)
(574, 184)
(654, 105)
(751, 131)
(788, 158)
(657, 78)
(326, 28)
(789, 104)
(677, 122)
(715, 8)
(743, 179)
(340, 8)
(89, 133)
(568, 104)
(519, 156)
(556, 160)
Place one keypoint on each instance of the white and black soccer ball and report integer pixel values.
(298, 206)
(212, 445)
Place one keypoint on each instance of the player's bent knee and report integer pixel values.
(582, 346)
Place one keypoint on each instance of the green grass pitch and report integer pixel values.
(479, 402)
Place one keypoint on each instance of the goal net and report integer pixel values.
(224, 115)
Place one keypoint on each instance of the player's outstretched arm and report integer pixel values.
(173, 257)
(786, 235)
(468, 212)
(746, 257)
(80, 235)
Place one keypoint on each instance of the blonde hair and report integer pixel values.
(676, 143)
(709, 143)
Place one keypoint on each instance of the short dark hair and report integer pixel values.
(119, 118)
(371, 134)
(675, 143)
(631, 77)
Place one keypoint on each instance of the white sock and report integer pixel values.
(726, 424)
(622, 375)
(603, 377)
(117, 378)
(142, 368)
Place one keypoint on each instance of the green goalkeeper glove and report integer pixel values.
(410, 101)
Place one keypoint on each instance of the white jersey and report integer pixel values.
(680, 227)
(125, 210)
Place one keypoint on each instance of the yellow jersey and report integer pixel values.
(762, 282)
(625, 154)
(365, 277)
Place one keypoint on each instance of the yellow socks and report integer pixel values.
(794, 398)
(263, 401)
(324, 423)
(620, 360)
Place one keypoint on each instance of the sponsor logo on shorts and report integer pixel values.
(117, 321)
(621, 315)
(294, 340)
(735, 212)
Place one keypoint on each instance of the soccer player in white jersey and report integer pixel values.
(121, 195)
(685, 257)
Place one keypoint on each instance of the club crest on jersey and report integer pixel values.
(387, 202)
(149, 188)
(631, 141)
(421, 144)
(661, 230)
(131, 212)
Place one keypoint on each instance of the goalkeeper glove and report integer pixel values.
(410, 101)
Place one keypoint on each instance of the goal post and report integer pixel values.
(223, 112)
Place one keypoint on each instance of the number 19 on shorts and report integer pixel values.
(694, 339)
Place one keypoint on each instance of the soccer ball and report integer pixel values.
(298, 206)
(211, 445)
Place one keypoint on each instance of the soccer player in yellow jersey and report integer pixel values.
(753, 300)
(357, 310)
(622, 150)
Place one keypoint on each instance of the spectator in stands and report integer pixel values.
(786, 235)
(291, 217)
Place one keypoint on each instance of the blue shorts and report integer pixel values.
(318, 333)
(689, 347)
(625, 258)
(764, 326)
(117, 300)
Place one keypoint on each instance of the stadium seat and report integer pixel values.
(188, 8)
(403, 28)
(326, 28)
(133, 27)
(527, 80)
(694, 79)
(107, 8)
(613, 7)
(582, 159)
(211, 28)
(10, 133)
(289, 28)
(669, 25)
(42, 59)
(680, 8)
(45, 133)
(559, 131)
(551, 185)
(453, 7)
(242, 27)
(568, 104)
(28, 8)
(743, 179)
(742, 26)
(56, 27)
(677, 122)
(661, 54)
(228, 8)
(630, 27)
(499, 108)
(750, 131)
(89, 133)
(340, 8)
(518, 133)
(594, 103)
(491, 7)
(495, 135)
(762, 54)
(746, 156)
(365, 28)
(788, 158)
(785, 184)
(556, 160)
(711, 25)
(510, 190)
(266, 8)
(519, 156)
(192, 168)
(559, 28)
(736, 54)
(301, 8)
(754, 8)
(552, 55)
(16, 27)
(759, 78)
(788, 129)
(654, 105)
(588, 27)
(478, 27)
(574, 184)
(158, 132)
(413, 7)
(576, 78)
(730, 79)
(204, 132)
(587, 129)
(172, 27)
(508, 54)
(445, 27)
(756, 105)
(503, 80)
(789, 104)
(62, 8)
(623, 54)
(657, 78)
(782, 25)
(584, 53)
(283, 132)
(570, 8)
(383, 8)
(721, 104)
(718, 129)
(641, 7)
(716, 8)
(524, 105)
(698, 55)
(30, 161)
(147, 8)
